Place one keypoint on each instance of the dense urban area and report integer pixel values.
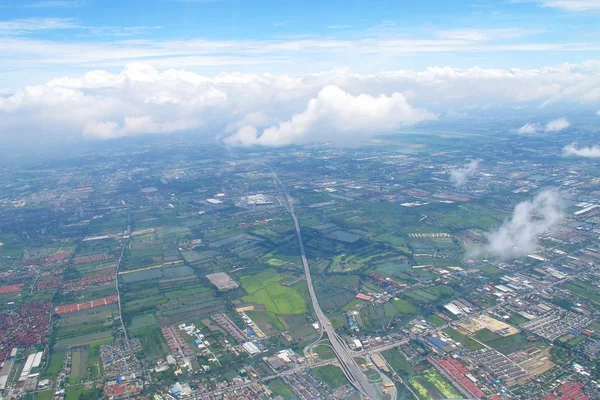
(418, 266)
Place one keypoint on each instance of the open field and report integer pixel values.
(331, 375)
(83, 340)
(79, 363)
(466, 341)
(279, 387)
(265, 288)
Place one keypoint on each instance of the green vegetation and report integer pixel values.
(265, 288)
(45, 395)
(490, 269)
(584, 289)
(466, 341)
(442, 384)
(331, 375)
(325, 352)
(517, 319)
(485, 335)
(435, 320)
(404, 307)
(508, 344)
(267, 321)
(55, 365)
(279, 387)
(577, 339)
(73, 392)
(398, 363)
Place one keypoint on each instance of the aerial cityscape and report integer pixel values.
(204, 199)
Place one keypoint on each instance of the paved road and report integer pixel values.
(349, 366)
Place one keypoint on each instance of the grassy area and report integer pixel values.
(485, 335)
(517, 319)
(508, 344)
(267, 321)
(73, 392)
(576, 340)
(324, 352)
(420, 389)
(435, 320)
(442, 384)
(585, 290)
(398, 242)
(404, 307)
(466, 341)
(55, 366)
(152, 341)
(279, 387)
(45, 395)
(489, 269)
(331, 375)
(398, 363)
(265, 288)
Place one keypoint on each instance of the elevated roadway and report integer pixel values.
(348, 365)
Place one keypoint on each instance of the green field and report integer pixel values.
(466, 341)
(585, 290)
(485, 335)
(324, 352)
(73, 392)
(265, 288)
(45, 395)
(55, 365)
(404, 307)
(508, 344)
(279, 387)
(79, 363)
(435, 320)
(83, 339)
(489, 269)
(331, 375)
(442, 384)
(398, 363)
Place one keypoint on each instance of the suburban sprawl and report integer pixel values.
(418, 266)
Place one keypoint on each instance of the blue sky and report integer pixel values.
(48, 38)
(250, 72)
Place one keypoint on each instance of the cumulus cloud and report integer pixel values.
(135, 126)
(335, 115)
(97, 103)
(459, 176)
(573, 151)
(555, 125)
(519, 235)
(529, 128)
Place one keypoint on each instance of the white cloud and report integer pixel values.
(459, 176)
(136, 126)
(225, 103)
(589, 152)
(519, 235)
(335, 115)
(571, 5)
(557, 125)
(529, 128)
(482, 35)
(28, 25)
(338, 26)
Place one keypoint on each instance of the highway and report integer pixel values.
(348, 365)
